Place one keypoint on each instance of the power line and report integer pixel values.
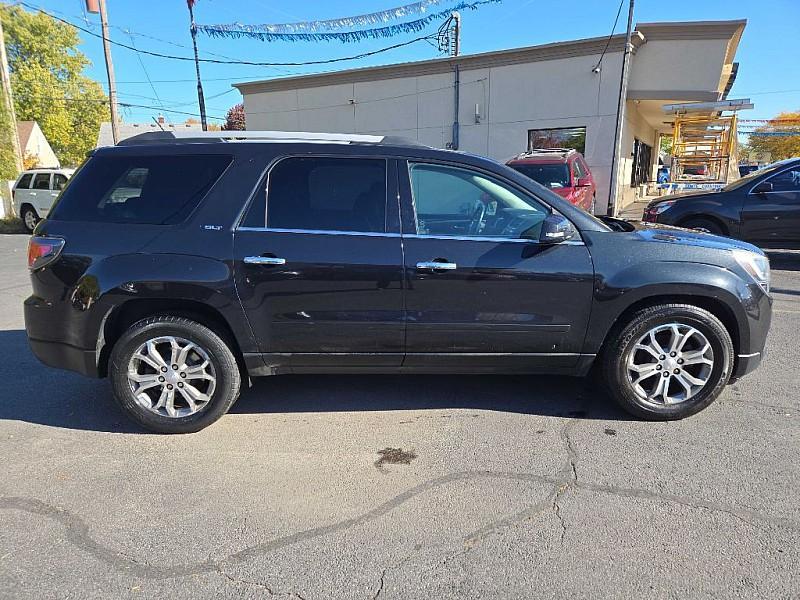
(230, 62)
(610, 35)
(125, 104)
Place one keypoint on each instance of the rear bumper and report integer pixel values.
(48, 335)
(64, 356)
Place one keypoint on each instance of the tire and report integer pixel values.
(29, 218)
(214, 387)
(623, 352)
(704, 225)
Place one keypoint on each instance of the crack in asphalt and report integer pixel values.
(78, 532)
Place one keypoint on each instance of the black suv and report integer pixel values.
(762, 207)
(180, 267)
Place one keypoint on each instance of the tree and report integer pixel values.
(780, 136)
(48, 84)
(234, 119)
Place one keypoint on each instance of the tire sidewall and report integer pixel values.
(25, 211)
(220, 355)
(720, 342)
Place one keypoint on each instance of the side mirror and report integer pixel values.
(556, 229)
(584, 182)
(763, 188)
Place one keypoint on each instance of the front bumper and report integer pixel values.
(747, 363)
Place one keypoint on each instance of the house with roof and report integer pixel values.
(35, 149)
(127, 130)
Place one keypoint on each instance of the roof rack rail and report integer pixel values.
(167, 137)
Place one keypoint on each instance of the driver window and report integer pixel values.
(451, 201)
(788, 181)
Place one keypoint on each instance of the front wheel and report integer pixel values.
(668, 361)
(173, 375)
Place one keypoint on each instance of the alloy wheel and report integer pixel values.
(670, 364)
(172, 376)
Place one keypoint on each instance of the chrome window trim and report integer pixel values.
(321, 232)
(794, 167)
(468, 238)
(406, 235)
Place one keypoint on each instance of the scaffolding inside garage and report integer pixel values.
(704, 141)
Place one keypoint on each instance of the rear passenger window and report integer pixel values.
(25, 181)
(328, 194)
(156, 190)
(41, 181)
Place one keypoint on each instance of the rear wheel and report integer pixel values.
(173, 375)
(668, 361)
(704, 225)
(29, 218)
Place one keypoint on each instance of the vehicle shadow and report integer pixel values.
(33, 393)
(783, 260)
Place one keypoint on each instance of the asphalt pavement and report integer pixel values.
(323, 487)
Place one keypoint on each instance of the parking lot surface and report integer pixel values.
(400, 487)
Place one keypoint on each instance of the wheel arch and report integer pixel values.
(121, 317)
(706, 217)
(714, 305)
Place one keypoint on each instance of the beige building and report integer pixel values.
(36, 150)
(509, 100)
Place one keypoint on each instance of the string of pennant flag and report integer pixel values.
(313, 31)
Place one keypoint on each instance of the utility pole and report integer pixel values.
(201, 100)
(613, 195)
(9, 99)
(94, 6)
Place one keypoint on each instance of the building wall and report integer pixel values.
(508, 101)
(635, 128)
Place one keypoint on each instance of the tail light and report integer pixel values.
(43, 250)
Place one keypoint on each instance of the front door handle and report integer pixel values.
(436, 266)
(264, 260)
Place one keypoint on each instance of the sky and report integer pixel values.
(769, 71)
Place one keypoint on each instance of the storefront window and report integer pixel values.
(560, 137)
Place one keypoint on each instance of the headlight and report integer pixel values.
(756, 265)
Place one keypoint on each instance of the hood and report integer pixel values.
(656, 232)
(681, 195)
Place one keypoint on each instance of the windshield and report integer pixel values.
(553, 176)
(756, 174)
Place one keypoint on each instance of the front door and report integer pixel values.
(483, 293)
(320, 275)
(773, 218)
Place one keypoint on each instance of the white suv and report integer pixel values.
(36, 190)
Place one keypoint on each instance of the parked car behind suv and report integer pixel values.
(762, 208)
(315, 253)
(35, 191)
(562, 170)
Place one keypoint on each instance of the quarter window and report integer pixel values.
(451, 201)
(59, 181)
(327, 194)
(158, 190)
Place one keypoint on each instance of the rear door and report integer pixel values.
(319, 272)
(773, 218)
(493, 298)
(40, 193)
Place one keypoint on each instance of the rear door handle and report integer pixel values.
(436, 266)
(264, 260)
